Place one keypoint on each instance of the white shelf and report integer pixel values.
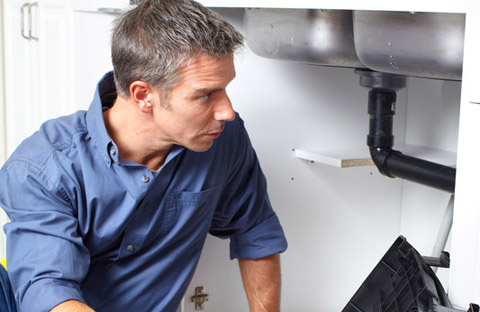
(340, 159)
(360, 157)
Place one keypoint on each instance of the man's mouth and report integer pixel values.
(215, 132)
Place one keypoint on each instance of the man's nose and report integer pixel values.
(223, 109)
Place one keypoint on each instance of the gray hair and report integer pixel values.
(152, 41)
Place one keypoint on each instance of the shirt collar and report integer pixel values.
(96, 124)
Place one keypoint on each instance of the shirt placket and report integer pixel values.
(137, 230)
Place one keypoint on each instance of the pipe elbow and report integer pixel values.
(379, 157)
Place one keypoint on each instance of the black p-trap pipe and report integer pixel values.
(392, 163)
(395, 164)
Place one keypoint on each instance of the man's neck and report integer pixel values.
(130, 129)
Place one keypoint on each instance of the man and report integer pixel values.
(110, 207)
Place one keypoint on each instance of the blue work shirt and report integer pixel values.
(89, 226)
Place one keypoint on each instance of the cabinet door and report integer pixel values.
(53, 58)
(19, 67)
(37, 65)
(92, 33)
(220, 278)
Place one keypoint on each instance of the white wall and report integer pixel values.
(432, 121)
(339, 222)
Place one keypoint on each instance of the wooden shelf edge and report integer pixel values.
(344, 159)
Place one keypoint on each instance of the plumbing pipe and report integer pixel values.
(392, 163)
(444, 231)
(396, 164)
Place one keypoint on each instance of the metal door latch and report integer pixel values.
(199, 298)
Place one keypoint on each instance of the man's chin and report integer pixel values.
(200, 147)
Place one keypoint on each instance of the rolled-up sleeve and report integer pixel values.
(265, 239)
(245, 214)
(46, 256)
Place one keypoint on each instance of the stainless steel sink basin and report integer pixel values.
(412, 44)
(323, 37)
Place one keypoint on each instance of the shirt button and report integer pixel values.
(107, 266)
(107, 160)
(146, 207)
(113, 151)
(145, 179)
(130, 248)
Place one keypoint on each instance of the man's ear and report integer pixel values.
(141, 94)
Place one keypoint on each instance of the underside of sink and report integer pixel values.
(323, 37)
(412, 44)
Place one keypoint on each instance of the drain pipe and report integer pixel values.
(392, 163)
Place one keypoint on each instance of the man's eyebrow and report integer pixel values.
(202, 91)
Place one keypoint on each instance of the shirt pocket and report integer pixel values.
(192, 213)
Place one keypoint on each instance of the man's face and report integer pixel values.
(198, 106)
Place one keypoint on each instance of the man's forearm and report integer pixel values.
(72, 306)
(262, 282)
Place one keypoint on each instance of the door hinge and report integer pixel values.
(199, 298)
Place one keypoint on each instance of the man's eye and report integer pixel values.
(205, 97)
